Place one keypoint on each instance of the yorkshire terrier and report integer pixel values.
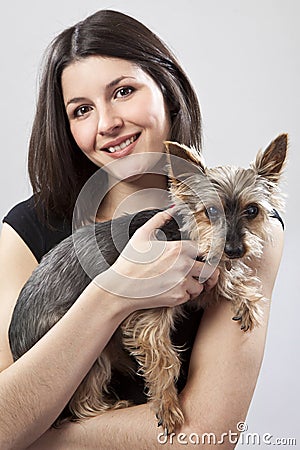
(226, 210)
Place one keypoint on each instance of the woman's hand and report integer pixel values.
(152, 273)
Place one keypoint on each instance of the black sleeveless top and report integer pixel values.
(37, 236)
(40, 239)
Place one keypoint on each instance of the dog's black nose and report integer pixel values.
(234, 251)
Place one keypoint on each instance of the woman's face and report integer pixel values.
(115, 110)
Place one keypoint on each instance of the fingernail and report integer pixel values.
(172, 206)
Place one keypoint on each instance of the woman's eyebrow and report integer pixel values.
(108, 86)
(76, 100)
(117, 81)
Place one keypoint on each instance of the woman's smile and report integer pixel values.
(122, 146)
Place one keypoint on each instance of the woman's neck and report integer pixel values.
(128, 196)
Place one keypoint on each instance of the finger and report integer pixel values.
(212, 281)
(196, 268)
(204, 272)
(157, 221)
(191, 249)
(194, 288)
(184, 299)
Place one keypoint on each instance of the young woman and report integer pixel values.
(111, 90)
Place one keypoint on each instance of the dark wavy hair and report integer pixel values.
(58, 169)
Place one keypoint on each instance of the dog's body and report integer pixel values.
(248, 197)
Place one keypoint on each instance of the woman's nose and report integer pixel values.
(109, 121)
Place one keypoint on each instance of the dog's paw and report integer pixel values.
(246, 323)
(169, 419)
(248, 316)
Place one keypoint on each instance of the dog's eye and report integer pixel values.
(212, 213)
(252, 211)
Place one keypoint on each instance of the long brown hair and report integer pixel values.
(57, 167)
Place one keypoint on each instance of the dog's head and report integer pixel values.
(229, 205)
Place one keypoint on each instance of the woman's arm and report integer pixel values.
(224, 367)
(16, 263)
(35, 389)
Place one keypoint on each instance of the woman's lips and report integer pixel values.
(119, 152)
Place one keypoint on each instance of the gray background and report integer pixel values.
(243, 58)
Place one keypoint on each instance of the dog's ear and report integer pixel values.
(183, 161)
(270, 163)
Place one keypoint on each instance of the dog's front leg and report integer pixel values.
(243, 289)
(146, 335)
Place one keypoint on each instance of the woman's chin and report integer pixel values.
(133, 178)
(134, 167)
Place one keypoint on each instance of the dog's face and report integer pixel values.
(230, 206)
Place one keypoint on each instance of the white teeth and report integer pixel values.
(122, 145)
(126, 143)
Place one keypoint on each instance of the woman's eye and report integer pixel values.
(124, 92)
(82, 110)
